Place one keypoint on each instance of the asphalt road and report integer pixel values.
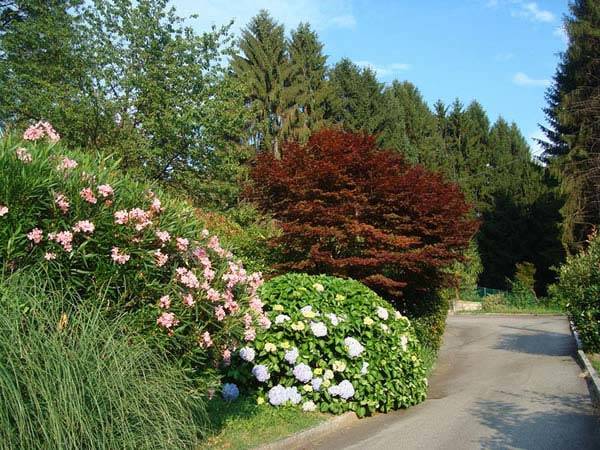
(501, 382)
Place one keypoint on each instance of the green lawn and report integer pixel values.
(595, 360)
(244, 424)
(508, 309)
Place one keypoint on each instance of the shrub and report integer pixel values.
(352, 210)
(334, 345)
(578, 289)
(70, 379)
(77, 217)
(490, 303)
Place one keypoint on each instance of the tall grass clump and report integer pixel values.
(70, 379)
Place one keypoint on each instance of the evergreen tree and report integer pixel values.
(573, 137)
(357, 102)
(262, 64)
(307, 86)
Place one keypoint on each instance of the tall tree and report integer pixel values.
(357, 102)
(573, 137)
(262, 65)
(308, 87)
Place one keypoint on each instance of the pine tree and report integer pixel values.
(307, 87)
(263, 66)
(573, 136)
(357, 102)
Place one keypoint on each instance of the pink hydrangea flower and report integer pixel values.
(167, 320)
(188, 300)
(36, 235)
(165, 302)
(67, 164)
(160, 258)
(49, 256)
(88, 195)
(118, 257)
(121, 217)
(23, 155)
(3, 210)
(206, 340)
(182, 244)
(163, 236)
(105, 190)
(62, 202)
(84, 226)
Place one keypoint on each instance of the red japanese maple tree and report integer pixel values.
(348, 208)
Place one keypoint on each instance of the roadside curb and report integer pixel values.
(591, 375)
(304, 437)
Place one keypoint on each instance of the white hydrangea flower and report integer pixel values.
(281, 318)
(318, 328)
(247, 354)
(382, 313)
(309, 406)
(364, 368)
(333, 318)
(404, 342)
(319, 287)
(353, 347)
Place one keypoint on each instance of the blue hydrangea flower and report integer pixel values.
(303, 373)
(247, 354)
(261, 373)
(316, 383)
(230, 392)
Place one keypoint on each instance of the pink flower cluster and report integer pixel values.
(3, 210)
(167, 320)
(62, 202)
(187, 278)
(84, 226)
(66, 164)
(88, 195)
(23, 155)
(105, 190)
(137, 216)
(36, 235)
(39, 130)
(119, 257)
(64, 238)
(160, 258)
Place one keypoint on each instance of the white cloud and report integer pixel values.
(531, 11)
(521, 79)
(386, 70)
(320, 14)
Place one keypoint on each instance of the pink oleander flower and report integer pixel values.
(160, 258)
(206, 340)
(140, 217)
(167, 320)
(118, 257)
(188, 300)
(155, 206)
(67, 164)
(39, 130)
(264, 322)
(62, 202)
(220, 313)
(36, 235)
(121, 217)
(163, 236)
(64, 238)
(182, 244)
(105, 190)
(247, 320)
(213, 295)
(165, 302)
(208, 274)
(187, 278)
(226, 357)
(3, 210)
(249, 334)
(88, 195)
(49, 256)
(84, 226)
(215, 245)
(256, 304)
(23, 155)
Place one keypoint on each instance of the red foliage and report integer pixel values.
(352, 210)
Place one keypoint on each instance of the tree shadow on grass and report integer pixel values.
(537, 342)
(554, 422)
(220, 412)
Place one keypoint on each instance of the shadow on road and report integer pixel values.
(562, 422)
(537, 342)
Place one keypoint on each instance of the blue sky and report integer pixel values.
(501, 52)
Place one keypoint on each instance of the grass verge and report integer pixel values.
(243, 424)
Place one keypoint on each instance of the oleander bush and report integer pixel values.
(80, 219)
(578, 289)
(70, 379)
(333, 345)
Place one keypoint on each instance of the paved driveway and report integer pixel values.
(501, 382)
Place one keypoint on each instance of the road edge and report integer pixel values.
(304, 437)
(591, 374)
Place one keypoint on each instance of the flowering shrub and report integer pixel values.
(334, 345)
(78, 218)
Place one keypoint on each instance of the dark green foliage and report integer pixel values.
(429, 319)
(579, 289)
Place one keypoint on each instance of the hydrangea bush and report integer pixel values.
(77, 217)
(334, 345)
